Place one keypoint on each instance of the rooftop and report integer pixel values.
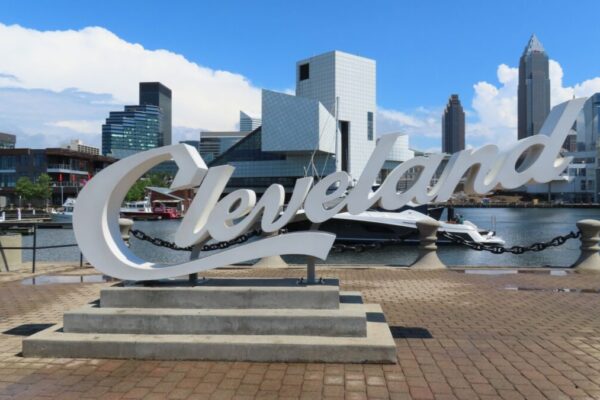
(534, 45)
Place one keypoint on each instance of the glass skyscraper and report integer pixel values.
(453, 126)
(135, 129)
(157, 94)
(534, 88)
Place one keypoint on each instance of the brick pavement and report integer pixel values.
(459, 336)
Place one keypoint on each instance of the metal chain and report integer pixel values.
(499, 249)
(208, 247)
(359, 248)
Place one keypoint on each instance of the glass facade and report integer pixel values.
(247, 149)
(157, 94)
(248, 123)
(135, 129)
(7, 162)
(370, 125)
(533, 89)
(69, 170)
(453, 126)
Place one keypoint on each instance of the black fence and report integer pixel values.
(34, 226)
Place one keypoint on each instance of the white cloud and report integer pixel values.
(81, 125)
(496, 106)
(31, 114)
(422, 121)
(60, 85)
(493, 118)
(95, 61)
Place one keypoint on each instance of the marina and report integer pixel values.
(332, 201)
(515, 226)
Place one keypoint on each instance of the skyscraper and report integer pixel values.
(534, 88)
(157, 94)
(135, 129)
(453, 126)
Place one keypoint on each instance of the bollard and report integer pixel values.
(10, 257)
(427, 258)
(271, 261)
(589, 260)
(125, 225)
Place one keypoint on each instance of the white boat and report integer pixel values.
(144, 210)
(139, 210)
(66, 215)
(382, 226)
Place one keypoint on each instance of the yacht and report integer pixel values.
(66, 215)
(380, 226)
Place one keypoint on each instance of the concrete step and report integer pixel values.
(377, 347)
(348, 320)
(225, 293)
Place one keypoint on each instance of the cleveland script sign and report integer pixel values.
(96, 227)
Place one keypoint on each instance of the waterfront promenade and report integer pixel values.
(459, 336)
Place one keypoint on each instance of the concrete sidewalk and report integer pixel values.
(509, 336)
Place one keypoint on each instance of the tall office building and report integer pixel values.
(157, 94)
(248, 123)
(135, 129)
(534, 88)
(453, 126)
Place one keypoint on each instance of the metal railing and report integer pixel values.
(34, 248)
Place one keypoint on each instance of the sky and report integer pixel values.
(64, 65)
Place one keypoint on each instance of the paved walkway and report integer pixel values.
(458, 335)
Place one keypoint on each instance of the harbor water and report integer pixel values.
(517, 226)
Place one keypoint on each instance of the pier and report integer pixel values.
(495, 334)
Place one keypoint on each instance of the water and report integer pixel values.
(517, 226)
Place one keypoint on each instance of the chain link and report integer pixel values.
(499, 249)
(359, 248)
(207, 247)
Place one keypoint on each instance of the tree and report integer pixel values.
(43, 187)
(136, 192)
(138, 189)
(25, 188)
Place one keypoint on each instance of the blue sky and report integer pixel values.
(425, 50)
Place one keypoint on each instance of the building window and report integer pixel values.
(304, 72)
(370, 125)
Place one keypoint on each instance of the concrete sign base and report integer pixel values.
(267, 320)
